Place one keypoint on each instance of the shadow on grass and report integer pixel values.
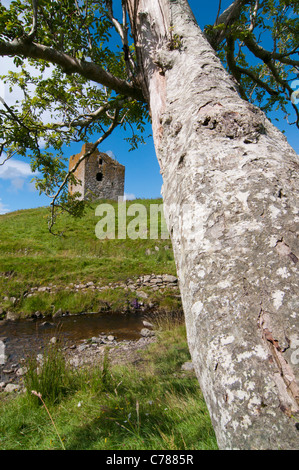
(156, 427)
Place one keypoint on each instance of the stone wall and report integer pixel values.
(104, 177)
(152, 281)
(79, 174)
(142, 287)
(101, 176)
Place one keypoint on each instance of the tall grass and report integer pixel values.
(152, 406)
(48, 375)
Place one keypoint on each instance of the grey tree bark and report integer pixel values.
(231, 205)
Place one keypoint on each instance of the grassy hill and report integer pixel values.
(31, 257)
(153, 404)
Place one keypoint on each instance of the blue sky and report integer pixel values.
(143, 179)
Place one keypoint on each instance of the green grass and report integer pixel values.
(152, 407)
(31, 257)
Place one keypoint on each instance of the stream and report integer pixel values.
(25, 337)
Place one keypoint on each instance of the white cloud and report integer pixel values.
(16, 172)
(6, 3)
(129, 197)
(2, 89)
(14, 169)
(7, 65)
(110, 154)
(16, 94)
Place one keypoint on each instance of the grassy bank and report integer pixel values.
(154, 405)
(31, 257)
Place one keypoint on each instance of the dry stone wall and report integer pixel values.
(142, 287)
(153, 281)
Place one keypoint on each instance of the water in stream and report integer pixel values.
(25, 337)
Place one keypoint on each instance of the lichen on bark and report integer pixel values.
(230, 197)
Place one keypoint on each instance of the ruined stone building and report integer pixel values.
(100, 176)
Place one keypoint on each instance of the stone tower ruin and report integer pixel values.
(100, 177)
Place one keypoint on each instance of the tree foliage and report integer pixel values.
(79, 77)
(257, 41)
(60, 105)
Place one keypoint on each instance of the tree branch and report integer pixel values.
(14, 116)
(83, 121)
(253, 16)
(257, 80)
(268, 59)
(33, 31)
(237, 71)
(266, 56)
(230, 58)
(122, 30)
(232, 13)
(89, 70)
(106, 134)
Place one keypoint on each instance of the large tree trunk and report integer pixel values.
(231, 204)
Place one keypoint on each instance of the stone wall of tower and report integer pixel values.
(104, 177)
(101, 176)
(79, 174)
